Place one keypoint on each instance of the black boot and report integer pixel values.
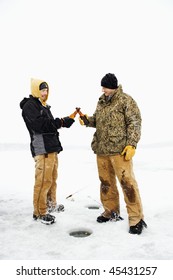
(137, 229)
(114, 217)
(45, 219)
(102, 219)
(35, 217)
(58, 208)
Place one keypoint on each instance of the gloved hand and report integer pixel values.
(83, 120)
(67, 122)
(128, 152)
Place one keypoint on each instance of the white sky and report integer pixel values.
(72, 44)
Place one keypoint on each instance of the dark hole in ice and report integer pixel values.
(93, 207)
(80, 233)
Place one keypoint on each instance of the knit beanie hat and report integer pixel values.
(109, 81)
(43, 85)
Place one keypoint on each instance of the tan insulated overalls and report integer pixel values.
(45, 182)
(110, 167)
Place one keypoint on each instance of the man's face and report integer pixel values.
(108, 91)
(44, 93)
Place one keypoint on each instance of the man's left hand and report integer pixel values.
(67, 122)
(128, 152)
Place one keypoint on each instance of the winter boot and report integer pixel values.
(137, 229)
(102, 219)
(45, 219)
(35, 217)
(58, 208)
(114, 217)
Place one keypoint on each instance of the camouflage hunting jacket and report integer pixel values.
(117, 122)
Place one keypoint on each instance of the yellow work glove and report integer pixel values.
(83, 120)
(128, 152)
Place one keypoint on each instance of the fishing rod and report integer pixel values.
(76, 192)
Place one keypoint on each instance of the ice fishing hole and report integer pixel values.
(80, 233)
(93, 207)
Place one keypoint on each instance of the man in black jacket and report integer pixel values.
(44, 145)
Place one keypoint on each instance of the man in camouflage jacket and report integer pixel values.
(117, 120)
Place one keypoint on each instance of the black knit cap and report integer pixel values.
(109, 81)
(43, 86)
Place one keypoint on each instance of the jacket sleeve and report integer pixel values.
(38, 120)
(133, 122)
(92, 121)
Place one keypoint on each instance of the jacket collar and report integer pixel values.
(104, 100)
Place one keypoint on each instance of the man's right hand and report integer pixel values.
(84, 120)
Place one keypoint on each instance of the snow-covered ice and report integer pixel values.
(24, 239)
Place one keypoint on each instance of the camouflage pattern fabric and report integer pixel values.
(117, 122)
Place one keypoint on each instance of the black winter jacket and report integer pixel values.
(42, 126)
